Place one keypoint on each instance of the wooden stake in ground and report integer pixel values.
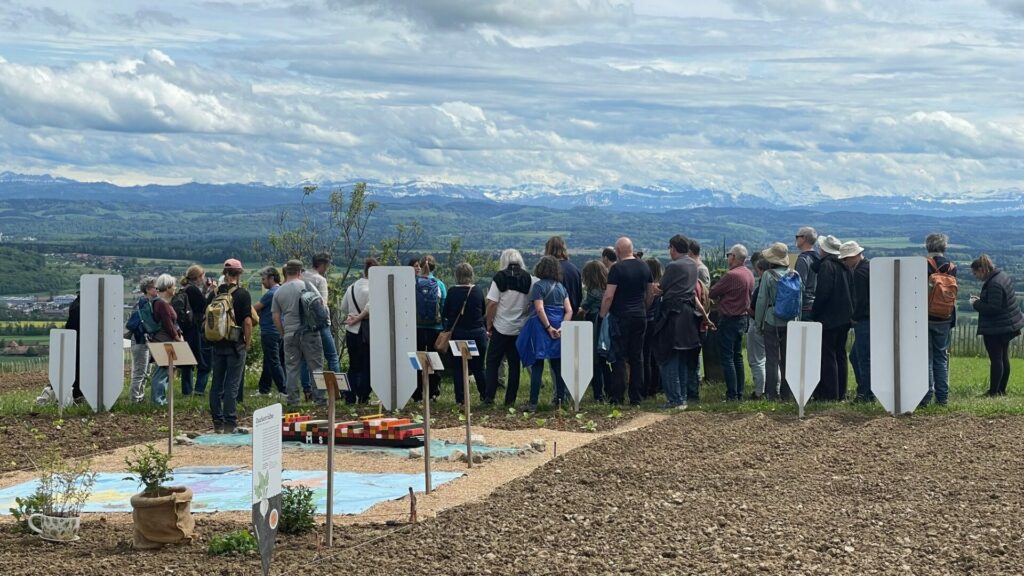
(333, 383)
(466, 349)
(170, 355)
(427, 363)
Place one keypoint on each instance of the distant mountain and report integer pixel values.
(656, 197)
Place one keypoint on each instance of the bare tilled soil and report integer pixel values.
(693, 494)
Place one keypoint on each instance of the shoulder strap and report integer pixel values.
(352, 295)
(469, 290)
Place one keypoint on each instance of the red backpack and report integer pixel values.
(942, 291)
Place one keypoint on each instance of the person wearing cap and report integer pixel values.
(732, 295)
(776, 264)
(833, 308)
(228, 366)
(806, 238)
(300, 346)
(852, 256)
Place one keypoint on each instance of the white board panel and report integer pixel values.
(102, 351)
(803, 360)
(913, 332)
(577, 357)
(392, 377)
(62, 364)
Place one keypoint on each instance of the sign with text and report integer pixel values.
(457, 350)
(803, 360)
(577, 358)
(899, 332)
(101, 374)
(266, 479)
(63, 348)
(392, 334)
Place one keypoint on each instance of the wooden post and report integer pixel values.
(412, 506)
(101, 307)
(332, 394)
(464, 350)
(425, 380)
(171, 357)
(393, 343)
(896, 339)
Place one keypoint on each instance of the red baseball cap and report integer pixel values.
(232, 264)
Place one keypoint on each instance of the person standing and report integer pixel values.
(165, 315)
(301, 346)
(355, 306)
(464, 313)
(190, 305)
(508, 308)
(676, 331)
(776, 257)
(539, 338)
(806, 239)
(755, 338)
(833, 308)
(229, 354)
(852, 256)
(595, 280)
(608, 257)
(652, 377)
(429, 306)
(270, 338)
(318, 278)
(630, 288)
(140, 344)
(732, 294)
(999, 320)
(571, 280)
(940, 325)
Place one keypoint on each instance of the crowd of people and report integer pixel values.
(651, 323)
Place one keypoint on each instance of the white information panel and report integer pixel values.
(803, 360)
(392, 334)
(62, 364)
(101, 375)
(577, 358)
(266, 479)
(899, 304)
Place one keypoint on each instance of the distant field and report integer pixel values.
(7, 324)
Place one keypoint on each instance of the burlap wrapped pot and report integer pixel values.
(163, 519)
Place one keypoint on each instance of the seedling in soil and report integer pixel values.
(240, 542)
(540, 422)
(615, 413)
(589, 426)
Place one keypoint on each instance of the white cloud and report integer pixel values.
(1014, 7)
(528, 14)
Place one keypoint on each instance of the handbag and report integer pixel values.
(441, 343)
(364, 326)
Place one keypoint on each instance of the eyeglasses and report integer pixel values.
(799, 236)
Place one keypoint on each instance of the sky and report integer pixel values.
(804, 98)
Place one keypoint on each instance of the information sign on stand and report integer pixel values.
(266, 479)
(466, 349)
(63, 348)
(899, 332)
(577, 358)
(392, 334)
(427, 363)
(803, 360)
(101, 374)
(333, 384)
(171, 355)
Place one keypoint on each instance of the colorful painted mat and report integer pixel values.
(438, 448)
(353, 493)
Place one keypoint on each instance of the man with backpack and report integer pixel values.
(942, 292)
(429, 304)
(833, 308)
(772, 312)
(228, 326)
(806, 239)
(302, 343)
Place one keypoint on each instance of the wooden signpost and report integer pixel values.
(466, 349)
(101, 374)
(426, 363)
(392, 334)
(577, 358)
(803, 360)
(899, 332)
(171, 354)
(63, 348)
(334, 384)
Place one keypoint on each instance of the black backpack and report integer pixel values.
(183, 309)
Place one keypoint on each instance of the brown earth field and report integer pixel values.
(694, 493)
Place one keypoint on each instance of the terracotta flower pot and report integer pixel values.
(165, 518)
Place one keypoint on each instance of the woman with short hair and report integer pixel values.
(140, 344)
(464, 316)
(999, 320)
(164, 313)
(539, 339)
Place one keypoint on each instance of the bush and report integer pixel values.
(241, 542)
(297, 511)
(151, 468)
(25, 507)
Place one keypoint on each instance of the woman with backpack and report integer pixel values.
(538, 341)
(775, 264)
(999, 320)
(189, 304)
(164, 313)
(140, 342)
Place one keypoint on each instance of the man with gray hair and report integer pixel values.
(939, 326)
(301, 346)
(732, 294)
(508, 307)
(806, 239)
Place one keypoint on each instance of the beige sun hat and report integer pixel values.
(777, 254)
(848, 249)
(829, 244)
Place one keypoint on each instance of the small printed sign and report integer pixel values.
(415, 361)
(457, 349)
(266, 479)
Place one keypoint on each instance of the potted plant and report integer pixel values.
(63, 489)
(160, 514)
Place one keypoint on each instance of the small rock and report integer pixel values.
(183, 440)
(477, 440)
(490, 556)
(539, 444)
(478, 459)
(192, 435)
(415, 453)
(848, 549)
(457, 456)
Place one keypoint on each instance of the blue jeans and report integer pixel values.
(938, 362)
(330, 355)
(730, 344)
(674, 377)
(537, 376)
(228, 371)
(158, 390)
(273, 362)
(861, 359)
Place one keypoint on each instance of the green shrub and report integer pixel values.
(240, 542)
(297, 511)
(151, 468)
(25, 507)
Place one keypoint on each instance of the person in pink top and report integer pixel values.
(732, 296)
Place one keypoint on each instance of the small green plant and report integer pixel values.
(240, 542)
(615, 413)
(64, 486)
(297, 510)
(589, 426)
(150, 467)
(540, 422)
(25, 507)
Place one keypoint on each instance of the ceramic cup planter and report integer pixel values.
(55, 528)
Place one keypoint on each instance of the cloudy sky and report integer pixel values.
(832, 97)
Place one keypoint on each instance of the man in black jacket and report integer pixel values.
(833, 308)
(852, 255)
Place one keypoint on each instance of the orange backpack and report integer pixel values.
(942, 291)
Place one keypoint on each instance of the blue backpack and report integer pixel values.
(428, 302)
(142, 322)
(787, 296)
